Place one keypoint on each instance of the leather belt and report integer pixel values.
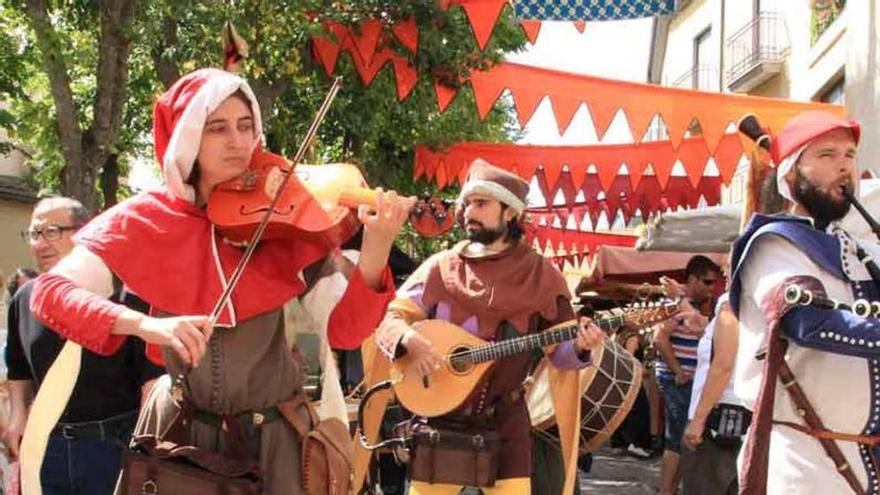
(105, 428)
(256, 417)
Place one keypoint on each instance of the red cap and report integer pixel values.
(179, 116)
(804, 128)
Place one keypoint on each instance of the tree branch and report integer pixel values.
(69, 132)
(116, 20)
(165, 66)
(267, 92)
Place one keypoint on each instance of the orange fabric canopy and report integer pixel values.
(640, 102)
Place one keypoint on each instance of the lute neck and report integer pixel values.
(498, 350)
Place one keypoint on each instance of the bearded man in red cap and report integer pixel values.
(494, 286)
(831, 356)
(163, 246)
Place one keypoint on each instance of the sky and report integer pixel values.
(561, 47)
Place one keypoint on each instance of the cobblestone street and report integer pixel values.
(620, 475)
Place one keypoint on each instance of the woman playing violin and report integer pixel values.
(163, 247)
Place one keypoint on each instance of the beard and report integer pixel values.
(477, 232)
(822, 206)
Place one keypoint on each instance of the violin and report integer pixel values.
(277, 198)
(318, 203)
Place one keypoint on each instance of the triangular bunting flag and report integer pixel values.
(713, 131)
(531, 29)
(407, 32)
(526, 102)
(577, 173)
(693, 154)
(639, 117)
(602, 112)
(487, 89)
(661, 163)
(406, 76)
(445, 95)
(564, 109)
(367, 41)
(727, 156)
(552, 172)
(483, 15)
(607, 170)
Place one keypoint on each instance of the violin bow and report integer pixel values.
(258, 233)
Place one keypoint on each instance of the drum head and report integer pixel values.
(608, 390)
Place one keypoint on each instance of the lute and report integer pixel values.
(466, 357)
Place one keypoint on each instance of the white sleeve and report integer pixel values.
(771, 260)
(325, 294)
(86, 270)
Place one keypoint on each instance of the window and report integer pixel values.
(702, 54)
(834, 93)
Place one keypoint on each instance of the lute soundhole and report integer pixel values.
(460, 360)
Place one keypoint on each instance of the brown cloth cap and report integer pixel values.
(489, 180)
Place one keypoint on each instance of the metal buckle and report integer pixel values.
(478, 441)
(68, 432)
(149, 488)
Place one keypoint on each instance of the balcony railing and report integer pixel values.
(703, 77)
(763, 41)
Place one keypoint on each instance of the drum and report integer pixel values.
(608, 389)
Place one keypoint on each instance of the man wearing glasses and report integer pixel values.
(85, 448)
(676, 340)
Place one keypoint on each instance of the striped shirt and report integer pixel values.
(684, 346)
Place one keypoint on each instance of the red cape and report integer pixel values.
(160, 247)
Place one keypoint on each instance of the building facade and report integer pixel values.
(819, 50)
(17, 199)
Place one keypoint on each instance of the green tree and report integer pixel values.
(71, 111)
(71, 101)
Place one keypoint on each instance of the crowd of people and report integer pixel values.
(136, 287)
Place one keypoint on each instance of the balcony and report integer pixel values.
(756, 52)
(702, 77)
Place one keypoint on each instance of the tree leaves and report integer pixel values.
(366, 125)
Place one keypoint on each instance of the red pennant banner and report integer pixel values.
(528, 85)
(606, 158)
(621, 199)
(369, 47)
(577, 242)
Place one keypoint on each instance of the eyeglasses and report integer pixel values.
(50, 232)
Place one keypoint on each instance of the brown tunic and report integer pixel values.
(246, 367)
(511, 420)
(511, 293)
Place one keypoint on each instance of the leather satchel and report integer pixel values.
(153, 467)
(168, 463)
(327, 452)
(454, 456)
